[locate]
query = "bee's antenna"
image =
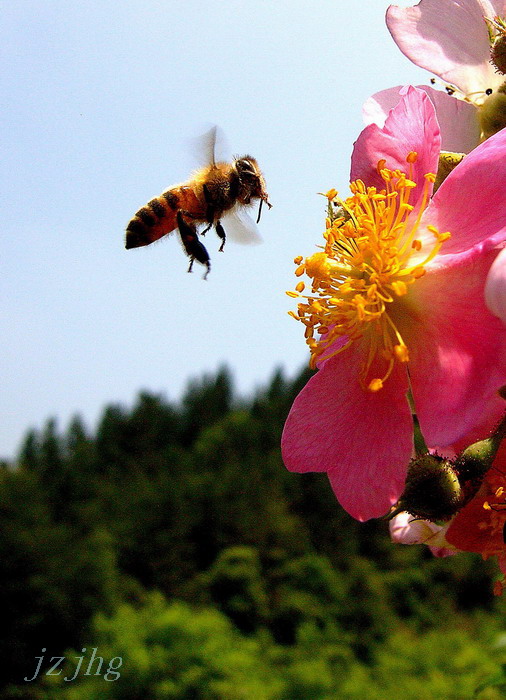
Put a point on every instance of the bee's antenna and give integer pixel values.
(259, 210)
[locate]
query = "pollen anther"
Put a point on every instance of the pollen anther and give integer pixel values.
(375, 385)
(363, 269)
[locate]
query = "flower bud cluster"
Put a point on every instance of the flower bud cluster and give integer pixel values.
(437, 488)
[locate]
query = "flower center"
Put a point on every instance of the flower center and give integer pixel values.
(365, 266)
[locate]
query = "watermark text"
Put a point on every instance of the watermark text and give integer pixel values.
(111, 673)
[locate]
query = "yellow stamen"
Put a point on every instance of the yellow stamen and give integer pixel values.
(401, 353)
(364, 267)
(375, 385)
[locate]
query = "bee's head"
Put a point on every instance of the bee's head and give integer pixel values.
(251, 180)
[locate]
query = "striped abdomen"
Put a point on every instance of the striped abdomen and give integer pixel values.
(158, 217)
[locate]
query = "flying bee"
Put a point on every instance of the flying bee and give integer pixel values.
(219, 191)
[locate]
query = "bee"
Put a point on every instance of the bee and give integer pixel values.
(219, 190)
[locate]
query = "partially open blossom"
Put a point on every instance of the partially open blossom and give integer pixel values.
(495, 288)
(455, 40)
(479, 526)
(438, 487)
(406, 529)
(397, 286)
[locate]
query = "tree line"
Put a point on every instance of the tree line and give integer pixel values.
(183, 512)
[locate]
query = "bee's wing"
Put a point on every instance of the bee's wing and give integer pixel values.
(210, 147)
(240, 227)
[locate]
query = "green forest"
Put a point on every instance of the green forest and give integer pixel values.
(170, 555)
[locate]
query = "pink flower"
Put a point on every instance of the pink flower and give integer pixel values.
(453, 40)
(458, 120)
(495, 288)
(392, 292)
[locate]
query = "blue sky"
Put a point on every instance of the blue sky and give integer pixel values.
(100, 101)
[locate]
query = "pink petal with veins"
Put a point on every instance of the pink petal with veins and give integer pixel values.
(495, 287)
(458, 120)
(363, 439)
(470, 203)
(411, 126)
(450, 39)
(457, 348)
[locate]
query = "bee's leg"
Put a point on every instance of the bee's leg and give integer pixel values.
(210, 212)
(191, 243)
(190, 267)
(211, 215)
(221, 233)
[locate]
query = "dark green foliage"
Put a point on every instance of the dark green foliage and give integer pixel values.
(305, 589)
(129, 443)
(205, 402)
(172, 650)
(236, 586)
(53, 576)
(176, 538)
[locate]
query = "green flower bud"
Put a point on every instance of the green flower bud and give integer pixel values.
(432, 490)
(437, 488)
(475, 461)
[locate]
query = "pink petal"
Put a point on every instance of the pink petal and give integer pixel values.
(471, 201)
(449, 39)
(491, 416)
(406, 529)
(457, 348)
(410, 126)
(458, 120)
(363, 439)
(495, 288)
